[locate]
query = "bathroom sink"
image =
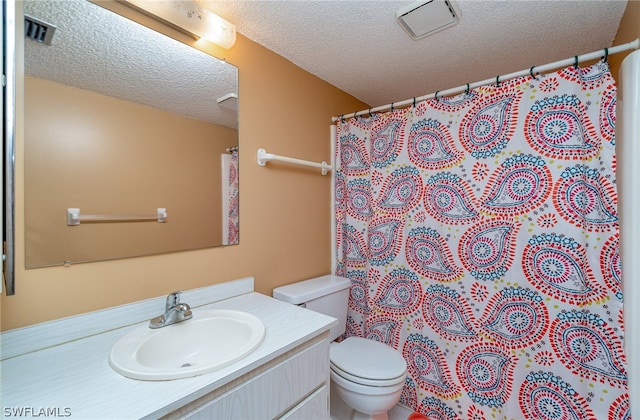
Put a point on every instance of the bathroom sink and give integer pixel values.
(211, 340)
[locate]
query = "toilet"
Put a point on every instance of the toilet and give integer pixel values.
(367, 375)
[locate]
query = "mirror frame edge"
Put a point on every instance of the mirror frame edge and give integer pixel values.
(9, 19)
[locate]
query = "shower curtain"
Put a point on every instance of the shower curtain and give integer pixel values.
(480, 234)
(230, 198)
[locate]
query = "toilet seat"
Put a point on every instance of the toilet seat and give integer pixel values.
(367, 362)
(368, 382)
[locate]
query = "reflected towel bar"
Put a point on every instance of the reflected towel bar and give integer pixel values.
(74, 218)
(264, 157)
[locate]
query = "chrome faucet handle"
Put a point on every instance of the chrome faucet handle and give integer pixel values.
(173, 299)
(185, 309)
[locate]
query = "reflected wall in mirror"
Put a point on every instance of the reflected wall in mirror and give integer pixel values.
(122, 120)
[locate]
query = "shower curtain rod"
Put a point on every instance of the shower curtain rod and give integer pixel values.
(633, 45)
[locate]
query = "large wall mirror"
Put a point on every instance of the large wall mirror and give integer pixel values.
(121, 121)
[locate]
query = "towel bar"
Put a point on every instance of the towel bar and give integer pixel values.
(264, 157)
(74, 217)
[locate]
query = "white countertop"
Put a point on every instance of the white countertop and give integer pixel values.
(75, 378)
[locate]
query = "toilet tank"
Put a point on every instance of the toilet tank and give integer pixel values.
(328, 295)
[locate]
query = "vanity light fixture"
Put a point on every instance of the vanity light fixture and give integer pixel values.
(425, 17)
(189, 16)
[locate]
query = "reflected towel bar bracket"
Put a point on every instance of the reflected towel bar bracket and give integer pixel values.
(264, 157)
(74, 217)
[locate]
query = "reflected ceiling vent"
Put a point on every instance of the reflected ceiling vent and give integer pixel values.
(426, 17)
(230, 100)
(38, 30)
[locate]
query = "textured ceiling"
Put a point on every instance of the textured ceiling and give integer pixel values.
(95, 49)
(360, 48)
(356, 45)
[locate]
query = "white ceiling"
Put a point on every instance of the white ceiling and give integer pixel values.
(358, 46)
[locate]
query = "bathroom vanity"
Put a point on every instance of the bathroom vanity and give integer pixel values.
(61, 368)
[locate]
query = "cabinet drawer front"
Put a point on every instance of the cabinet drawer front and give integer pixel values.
(273, 391)
(315, 406)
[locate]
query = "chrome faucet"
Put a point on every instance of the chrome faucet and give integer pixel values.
(174, 312)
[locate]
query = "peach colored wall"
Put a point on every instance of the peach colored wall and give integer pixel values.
(628, 30)
(285, 212)
(109, 156)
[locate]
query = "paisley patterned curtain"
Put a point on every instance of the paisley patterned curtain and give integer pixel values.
(232, 199)
(480, 234)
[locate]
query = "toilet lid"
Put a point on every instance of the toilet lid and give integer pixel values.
(367, 359)
(334, 371)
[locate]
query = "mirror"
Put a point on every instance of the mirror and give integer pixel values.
(121, 121)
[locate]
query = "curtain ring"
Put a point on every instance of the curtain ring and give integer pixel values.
(466, 92)
(606, 54)
(392, 109)
(414, 101)
(342, 118)
(575, 62)
(436, 95)
(498, 80)
(370, 114)
(531, 72)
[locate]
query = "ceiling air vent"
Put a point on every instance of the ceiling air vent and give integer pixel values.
(38, 30)
(426, 17)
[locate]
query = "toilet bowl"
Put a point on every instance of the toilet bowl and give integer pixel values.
(368, 376)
